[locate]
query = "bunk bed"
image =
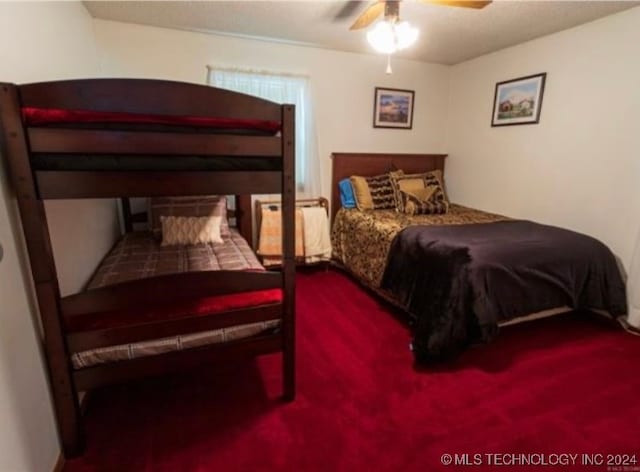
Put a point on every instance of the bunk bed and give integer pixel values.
(122, 138)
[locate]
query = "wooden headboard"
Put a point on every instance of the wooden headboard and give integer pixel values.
(346, 164)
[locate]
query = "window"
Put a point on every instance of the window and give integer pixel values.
(281, 89)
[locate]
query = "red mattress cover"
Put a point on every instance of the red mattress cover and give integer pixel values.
(33, 116)
(183, 309)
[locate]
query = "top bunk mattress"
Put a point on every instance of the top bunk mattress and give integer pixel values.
(102, 162)
(34, 116)
(127, 125)
(57, 151)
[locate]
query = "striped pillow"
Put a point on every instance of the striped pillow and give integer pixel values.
(373, 193)
(428, 201)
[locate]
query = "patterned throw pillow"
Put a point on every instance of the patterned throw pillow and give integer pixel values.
(192, 206)
(413, 183)
(190, 230)
(373, 193)
(434, 205)
(424, 193)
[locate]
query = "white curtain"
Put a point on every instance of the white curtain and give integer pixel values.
(633, 287)
(291, 89)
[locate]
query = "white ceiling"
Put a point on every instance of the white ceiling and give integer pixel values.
(448, 35)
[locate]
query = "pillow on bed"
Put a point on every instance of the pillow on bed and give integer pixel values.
(413, 184)
(422, 194)
(425, 201)
(373, 193)
(192, 206)
(190, 230)
(347, 198)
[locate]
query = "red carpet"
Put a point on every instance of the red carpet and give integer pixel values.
(565, 385)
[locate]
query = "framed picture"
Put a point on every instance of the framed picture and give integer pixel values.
(518, 101)
(393, 108)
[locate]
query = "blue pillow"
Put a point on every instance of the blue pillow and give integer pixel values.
(346, 194)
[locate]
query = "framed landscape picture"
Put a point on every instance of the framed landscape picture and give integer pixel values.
(518, 101)
(393, 108)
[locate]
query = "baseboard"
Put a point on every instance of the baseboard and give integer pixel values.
(629, 328)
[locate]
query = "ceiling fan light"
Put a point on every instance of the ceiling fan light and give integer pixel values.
(406, 34)
(381, 37)
(387, 37)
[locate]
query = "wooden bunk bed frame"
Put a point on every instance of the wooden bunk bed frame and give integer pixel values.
(33, 185)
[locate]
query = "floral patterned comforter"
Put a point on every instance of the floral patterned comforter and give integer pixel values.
(361, 239)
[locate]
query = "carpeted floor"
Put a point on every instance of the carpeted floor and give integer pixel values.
(565, 385)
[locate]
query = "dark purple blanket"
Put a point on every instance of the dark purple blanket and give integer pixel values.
(460, 281)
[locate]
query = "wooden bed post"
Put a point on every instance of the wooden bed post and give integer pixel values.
(244, 217)
(126, 215)
(36, 233)
(288, 245)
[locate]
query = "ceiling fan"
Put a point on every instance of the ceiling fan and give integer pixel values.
(392, 34)
(391, 9)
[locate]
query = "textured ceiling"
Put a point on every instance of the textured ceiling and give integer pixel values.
(447, 35)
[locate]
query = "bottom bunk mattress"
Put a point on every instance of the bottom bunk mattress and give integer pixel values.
(461, 274)
(139, 255)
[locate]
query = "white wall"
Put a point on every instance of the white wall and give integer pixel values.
(40, 41)
(342, 83)
(579, 167)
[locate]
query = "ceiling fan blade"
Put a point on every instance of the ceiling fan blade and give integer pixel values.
(348, 9)
(460, 3)
(369, 15)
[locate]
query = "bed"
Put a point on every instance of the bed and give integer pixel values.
(154, 305)
(462, 273)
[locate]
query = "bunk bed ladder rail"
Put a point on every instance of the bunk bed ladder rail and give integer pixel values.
(35, 228)
(288, 247)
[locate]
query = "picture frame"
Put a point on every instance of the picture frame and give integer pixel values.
(393, 108)
(518, 101)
